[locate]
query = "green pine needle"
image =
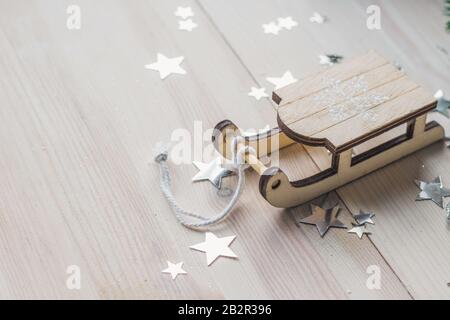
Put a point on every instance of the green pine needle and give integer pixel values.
(447, 13)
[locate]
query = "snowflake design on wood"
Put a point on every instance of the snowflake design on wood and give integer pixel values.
(352, 97)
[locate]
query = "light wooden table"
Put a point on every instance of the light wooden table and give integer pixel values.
(80, 115)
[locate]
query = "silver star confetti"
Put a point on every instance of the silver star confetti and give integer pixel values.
(324, 219)
(444, 51)
(258, 93)
(166, 66)
(174, 269)
(187, 25)
(442, 104)
(359, 229)
(364, 217)
(287, 23)
(215, 247)
(433, 190)
(271, 28)
(213, 171)
(317, 18)
(284, 80)
(329, 59)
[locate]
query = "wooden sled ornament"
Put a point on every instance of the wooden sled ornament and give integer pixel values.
(339, 108)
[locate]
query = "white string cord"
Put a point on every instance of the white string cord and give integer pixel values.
(238, 158)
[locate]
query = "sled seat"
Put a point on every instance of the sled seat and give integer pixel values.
(349, 103)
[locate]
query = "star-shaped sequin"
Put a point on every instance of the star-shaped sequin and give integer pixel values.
(364, 217)
(317, 18)
(166, 66)
(359, 229)
(271, 28)
(442, 104)
(258, 93)
(187, 25)
(324, 219)
(215, 247)
(284, 80)
(329, 59)
(213, 171)
(174, 269)
(433, 190)
(287, 23)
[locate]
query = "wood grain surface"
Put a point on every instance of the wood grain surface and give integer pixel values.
(80, 115)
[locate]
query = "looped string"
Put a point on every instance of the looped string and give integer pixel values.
(239, 165)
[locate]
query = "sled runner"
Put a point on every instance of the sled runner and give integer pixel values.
(339, 109)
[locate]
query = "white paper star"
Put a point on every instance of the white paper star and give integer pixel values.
(287, 23)
(317, 18)
(187, 25)
(258, 93)
(285, 80)
(184, 12)
(174, 269)
(215, 247)
(271, 28)
(213, 171)
(166, 66)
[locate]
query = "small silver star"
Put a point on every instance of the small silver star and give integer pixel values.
(442, 104)
(317, 18)
(187, 25)
(324, 219)
(212, 171)
(363, 217)
(329, 59)
(258, 93)
(184, 12)
(359, 229)
(271, 28)
(447, 209)
(287, 23)
(174, 269)
(433, 190)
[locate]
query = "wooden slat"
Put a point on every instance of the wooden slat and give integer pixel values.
(315, 82)
(390, 112)
(317, 124)
(309, 105)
